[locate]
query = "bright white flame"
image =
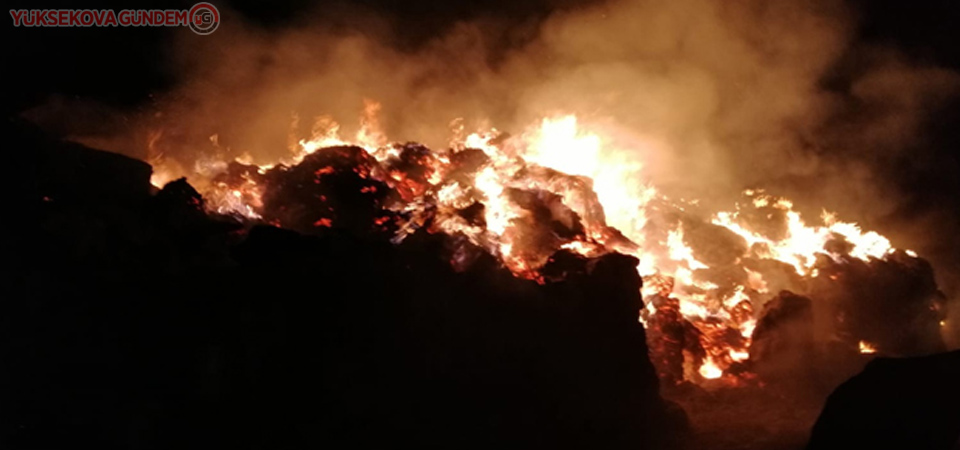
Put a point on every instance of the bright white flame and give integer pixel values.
(709, 370)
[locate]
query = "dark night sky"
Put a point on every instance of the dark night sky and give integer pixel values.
(122, 67)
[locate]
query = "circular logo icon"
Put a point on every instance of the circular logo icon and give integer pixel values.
(204, 18)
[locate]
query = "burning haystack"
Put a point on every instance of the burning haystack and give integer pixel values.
(534, 200)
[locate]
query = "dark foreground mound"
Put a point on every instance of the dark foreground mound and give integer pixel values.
(909, 403)
(133, 320)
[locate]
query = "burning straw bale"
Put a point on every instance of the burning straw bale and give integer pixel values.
(674, 342)
(548, 226)
(783, 345)
(889, 306)
(335, 187)
(892, 303)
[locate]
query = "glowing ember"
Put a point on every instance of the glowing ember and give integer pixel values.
(867, 348)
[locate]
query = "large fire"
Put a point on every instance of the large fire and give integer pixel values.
(706, 274)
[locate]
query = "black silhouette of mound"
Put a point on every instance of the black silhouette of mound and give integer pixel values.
(895, 404)
(132, 319)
